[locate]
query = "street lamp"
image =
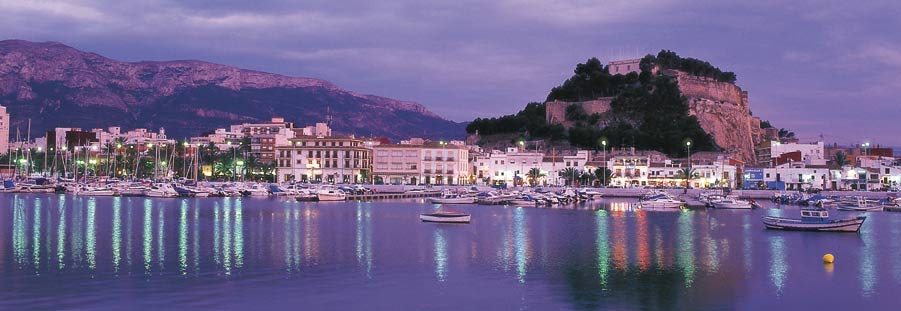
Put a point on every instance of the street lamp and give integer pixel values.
(604, 151)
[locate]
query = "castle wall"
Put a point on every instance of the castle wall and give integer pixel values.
(556, 110)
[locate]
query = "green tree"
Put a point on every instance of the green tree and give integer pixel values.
(534, 174)
(688, 174)
(840, 159)
(569, 175)
(603, 175)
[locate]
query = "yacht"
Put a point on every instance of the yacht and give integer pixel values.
(730, 203)
(453, 198)
(161, 191)
(95, 191)
(661, 201)
(255, 190)
(330, 194)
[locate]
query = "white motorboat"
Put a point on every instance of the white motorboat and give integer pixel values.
(453, 198)
(729, 203)
(445, 217)
(661, 201)
(161, 191)
(95, 191)
(134, 190)
(255, 190)
(330, 194)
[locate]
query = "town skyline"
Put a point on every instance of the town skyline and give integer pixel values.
(814, 56)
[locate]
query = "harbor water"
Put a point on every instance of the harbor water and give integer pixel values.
(66, 252)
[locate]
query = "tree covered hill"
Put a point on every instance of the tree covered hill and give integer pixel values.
(648, 111)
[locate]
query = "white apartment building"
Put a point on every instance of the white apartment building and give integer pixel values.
(811, 154)
(419, 162)
(220, 138)
(512, 166)
(325, 159)
(799, 176)
(4, 130)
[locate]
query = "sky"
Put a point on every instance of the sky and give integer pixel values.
(827, 70)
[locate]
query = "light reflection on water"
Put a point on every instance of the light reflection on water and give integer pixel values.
(208, 252)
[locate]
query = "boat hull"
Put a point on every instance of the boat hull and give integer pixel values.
(457, 219)
(844, 225)
(732, 205)
(651, 204)
(331, 197)
(453, 200)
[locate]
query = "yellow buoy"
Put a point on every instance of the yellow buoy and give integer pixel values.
(828, 258)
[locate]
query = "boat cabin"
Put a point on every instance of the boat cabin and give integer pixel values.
(813, 215)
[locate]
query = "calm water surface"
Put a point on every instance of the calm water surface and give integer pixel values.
(68, 252)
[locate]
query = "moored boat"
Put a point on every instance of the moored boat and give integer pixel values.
(729, 203)
(661, 201)
(330, 194)
(445, 217)
(814, 220)
(452, 198)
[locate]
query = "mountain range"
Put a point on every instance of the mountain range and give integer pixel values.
(55, 85)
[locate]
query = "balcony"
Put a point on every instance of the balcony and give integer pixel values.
(450, 172)
(439, 159)
(426, 171)
(450, 159)
(427, 159)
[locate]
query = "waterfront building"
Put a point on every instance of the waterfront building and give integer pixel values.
(811, 154)
(799, 176)
(417, 161)
(4, 130)
(265, 136)
(326, 159)
(221, 138)
(511, 167)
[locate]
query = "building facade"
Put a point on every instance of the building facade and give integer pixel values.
(418, 162)
(323, 159)
(4, 130)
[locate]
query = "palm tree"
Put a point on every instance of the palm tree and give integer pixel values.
(534, 174)
(569, 174)
(687, 174)
(840, 159)
(586, 178)
(603, 175)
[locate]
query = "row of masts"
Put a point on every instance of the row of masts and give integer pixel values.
(70, 159)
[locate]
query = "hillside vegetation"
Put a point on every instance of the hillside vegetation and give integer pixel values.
(648, 111)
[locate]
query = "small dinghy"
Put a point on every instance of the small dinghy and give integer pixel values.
(814, 220)
(446, 217)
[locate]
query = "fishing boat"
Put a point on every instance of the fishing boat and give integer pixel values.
(445, 217)
(452, 198)
(306, 195)
(255, 190)
(858, 204)
(730, 203)
(814, 220)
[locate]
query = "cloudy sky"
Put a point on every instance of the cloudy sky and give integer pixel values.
(827, 68)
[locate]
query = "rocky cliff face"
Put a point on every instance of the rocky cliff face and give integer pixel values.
(723, 111)
(56, 85)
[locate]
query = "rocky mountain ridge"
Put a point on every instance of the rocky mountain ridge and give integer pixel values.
(59, 86)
